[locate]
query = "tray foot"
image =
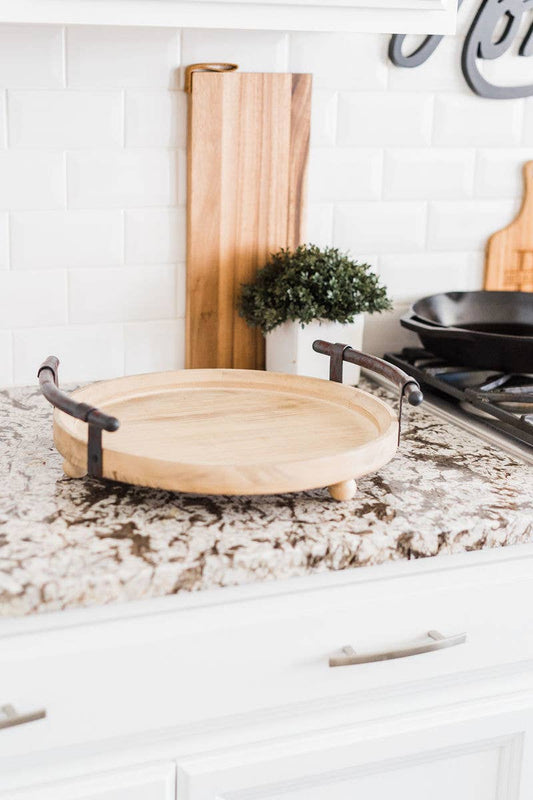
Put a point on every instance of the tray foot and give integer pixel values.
(71, 471)
(344, 490)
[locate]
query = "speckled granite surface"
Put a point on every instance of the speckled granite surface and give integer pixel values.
(66, 543)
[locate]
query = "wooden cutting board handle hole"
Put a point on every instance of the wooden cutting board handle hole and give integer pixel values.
(206, 67)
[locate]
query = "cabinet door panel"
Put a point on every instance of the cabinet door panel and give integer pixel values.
(463, 777)
(489, 758)
(153, 782)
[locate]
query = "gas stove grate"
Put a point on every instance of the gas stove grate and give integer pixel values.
(502, 401)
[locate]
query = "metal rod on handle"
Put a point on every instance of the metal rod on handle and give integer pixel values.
(348, 657)
(97, 420)
(339, 353)
(9, 716)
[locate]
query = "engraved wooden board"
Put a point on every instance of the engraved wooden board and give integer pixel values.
(227, 431)
(248, 145)
(509, 254)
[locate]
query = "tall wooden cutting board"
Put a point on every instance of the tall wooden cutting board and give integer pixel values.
(248, 145)
(509, 255)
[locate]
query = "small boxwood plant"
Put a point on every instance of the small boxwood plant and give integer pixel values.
(311, 283)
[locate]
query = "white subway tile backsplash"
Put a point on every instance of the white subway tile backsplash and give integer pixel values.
(6, 358)
(131, 294)
(341, 173)
(112, 179)
(253, 51)
(383, 331)
(154, 346)
(32, 298)
(31, 180)
(384, 119)
(181, 287)
(116, 58)
(71, 239)
(440, 73)
(499, 172)
(410, 275)
(181, 178)
(467, 225)
(405, 164)
(85, 352)
(3, 119)
(319, 227)
(351, 61)
(323, 117)
(379, 227)
(31, 56)
(428, 174)
(508, 69)
(155, 235)
(155, 118)
(4, 240)
(471, 121)
(65, 119)
(528, 126)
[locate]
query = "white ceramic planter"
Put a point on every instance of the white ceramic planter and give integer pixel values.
(289, 347)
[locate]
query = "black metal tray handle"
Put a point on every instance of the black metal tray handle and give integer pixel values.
(338, 353)
(96, 420)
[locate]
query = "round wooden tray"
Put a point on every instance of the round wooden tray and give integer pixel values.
(240, 432)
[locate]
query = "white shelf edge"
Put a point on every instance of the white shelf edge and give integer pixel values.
(380, 16)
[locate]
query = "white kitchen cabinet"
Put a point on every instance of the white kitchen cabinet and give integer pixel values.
(388, 16)
(488, 758)
(155, 782)
(233, 689)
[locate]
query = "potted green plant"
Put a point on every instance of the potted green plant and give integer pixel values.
(306, 294)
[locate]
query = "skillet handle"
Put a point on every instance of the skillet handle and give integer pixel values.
(414, 324)
(97, 420)
(339, 353)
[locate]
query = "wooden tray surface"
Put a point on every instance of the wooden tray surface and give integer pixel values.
(232, 432)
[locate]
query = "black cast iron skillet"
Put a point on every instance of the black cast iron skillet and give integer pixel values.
(488, 330)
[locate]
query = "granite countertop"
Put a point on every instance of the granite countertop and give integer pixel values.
(70, 543)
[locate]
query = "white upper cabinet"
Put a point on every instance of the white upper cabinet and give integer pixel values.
(386, 16)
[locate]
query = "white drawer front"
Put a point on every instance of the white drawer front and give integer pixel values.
(154, 782)
(176, 669)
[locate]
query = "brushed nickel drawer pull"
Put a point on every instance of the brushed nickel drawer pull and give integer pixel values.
(9, 717)
(348, 655)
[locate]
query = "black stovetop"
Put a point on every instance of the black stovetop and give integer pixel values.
(503, 402)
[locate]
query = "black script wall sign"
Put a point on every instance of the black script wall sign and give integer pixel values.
(482, 41)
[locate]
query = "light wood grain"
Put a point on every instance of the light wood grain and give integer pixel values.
(233, 432)
(509, 255)
(248, 145)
